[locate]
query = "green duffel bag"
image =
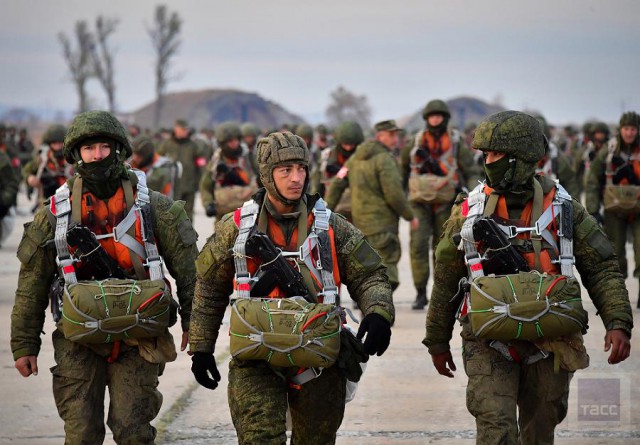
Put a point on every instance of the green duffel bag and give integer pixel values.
(232, 197)
(525, 306)
(114, 309)
(431, 189)
(622, 199)
(285, 332)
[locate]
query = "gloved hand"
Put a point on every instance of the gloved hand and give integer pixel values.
(333, 169)
(598, 217)
(222, 168)
(378, 331)
(203, 364)
(210, 209)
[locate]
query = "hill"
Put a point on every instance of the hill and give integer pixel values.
(208, 108)
(464, 110)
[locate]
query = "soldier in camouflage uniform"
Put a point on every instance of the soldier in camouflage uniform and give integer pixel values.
(501, 383)
(97, 143)
(182, 149)
(259, 393)
(9, 183)
(348, 136)
(586, 153)
(162, 173)
(250, 134)
(228, 180)
(441, 152)
(377, 199)
(623, 155)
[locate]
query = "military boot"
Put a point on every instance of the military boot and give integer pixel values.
(421, 300)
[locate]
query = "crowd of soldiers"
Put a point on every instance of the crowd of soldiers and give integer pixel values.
(327, 203)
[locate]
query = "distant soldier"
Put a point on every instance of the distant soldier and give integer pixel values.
(24, 147)
(9, 183)
(614, 185)
(348, 136)
(599, 134)
(228, 180)
(49, 170)
(250, 134)
(322, 140)
(436, 165)
(377, 199)
(134, 131)
(181, 148)
(162, 173)
(7, 146)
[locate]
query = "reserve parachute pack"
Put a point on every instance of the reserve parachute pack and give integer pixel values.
(111, 309)
(231, 197)
(524, 305)
(430, 188)
(620, 199)
(294, 331)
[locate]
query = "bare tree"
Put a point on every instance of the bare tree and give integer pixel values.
(164, 34)
(102, 56)
(345, 105)
(79, 60)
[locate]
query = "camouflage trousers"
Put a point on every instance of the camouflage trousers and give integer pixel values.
(258, 400)
(616, 227)
(431, 219)
(499, 388)
(80, 378)
(387, 245)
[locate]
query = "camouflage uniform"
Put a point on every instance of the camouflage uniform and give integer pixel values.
(377, 200)
(499, 388)
(190, 156)
(162, 173)
(625, 172)
(431, 217)
(8, 191)
(82, 372)
(259, 393)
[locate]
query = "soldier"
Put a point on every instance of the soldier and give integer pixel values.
(229, 180)
(181, 148)
(435, 165)
(24, 147)
(555, 164)
(598, 137)
(285, 213)
(82, 218)
(162, 173)
(322, 137)
(7, 146)
(377, 198)
(48, 170)
(514, 369)
(614, 184)
(9, 183)
(348, 136)
(250, 134)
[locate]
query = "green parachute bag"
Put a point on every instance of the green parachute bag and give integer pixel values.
(114, 309)
(622, 199)
(525, 306)
(285, 332)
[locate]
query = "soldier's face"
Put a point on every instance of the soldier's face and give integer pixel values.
(94, 152)
(435, 119)
(493, 156)
(180, 132)
(289, 180)
(628, 133)
(233, 143)
(56, 146)
(388, 138)
(348, 147)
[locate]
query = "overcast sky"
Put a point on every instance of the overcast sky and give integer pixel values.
(572, 60)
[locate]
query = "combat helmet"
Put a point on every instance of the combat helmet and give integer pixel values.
(250, 129)
(55, 133)
(95, 124)
(227, 131)
(305, 131)
(436, 106)
(631, 119)
(517, 134)
(279, 149)
(143, 146)
(349, 132)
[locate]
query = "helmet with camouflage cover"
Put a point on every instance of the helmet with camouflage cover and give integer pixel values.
(280, 149)
(600, 127)
(305, 131)
(143, 147)
(544, 124)
(55, 133)
(250, 129)
(227, 131)
(322, 130)
(349, 132)
(517, 134)
(95, 125)
(436, 106)
(631, 119)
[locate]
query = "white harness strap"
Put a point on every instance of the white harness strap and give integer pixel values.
(476, 201)
(248, 217)
(61, 208)
(320, 231)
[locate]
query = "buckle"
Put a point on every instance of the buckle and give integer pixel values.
(154, 259)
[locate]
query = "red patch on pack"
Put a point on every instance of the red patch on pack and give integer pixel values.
(465, 207)
(52, 205)
(201, 162)
(236, 217)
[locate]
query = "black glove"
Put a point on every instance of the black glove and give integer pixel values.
(333, 169)
(598, 217)
(222, 168)
(352, 353)
(378, 331)
(3, 211)
(210, 209)
(203, 364)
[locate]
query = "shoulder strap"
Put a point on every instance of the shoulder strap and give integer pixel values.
(325, 256)
(612, 147)
(60, 207)
(248, 216)
(476, 205)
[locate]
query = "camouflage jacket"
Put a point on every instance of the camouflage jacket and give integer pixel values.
(187, 152)
(176, 241)
(359, 265)
(595, 261)
(377, 198)
(9, 182)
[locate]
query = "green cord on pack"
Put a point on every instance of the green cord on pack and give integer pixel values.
(519, 330)
(539, 288)
(131, 296)
(104, 299)
(539, 330)
(513, 289)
